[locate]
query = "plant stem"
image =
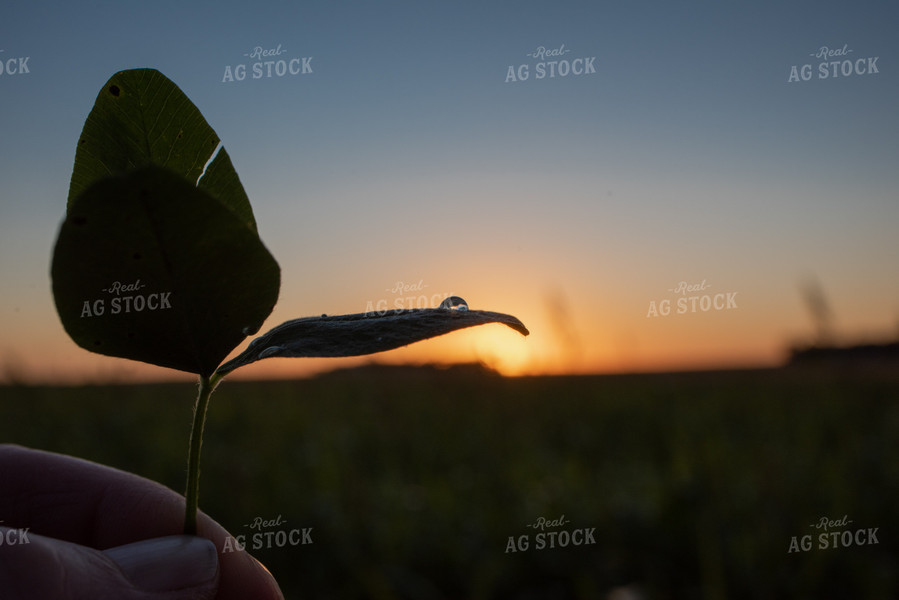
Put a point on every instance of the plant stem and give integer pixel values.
(192, 494)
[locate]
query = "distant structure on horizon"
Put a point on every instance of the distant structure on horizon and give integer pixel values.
(824, 350)
(857, 354)
(822, 316)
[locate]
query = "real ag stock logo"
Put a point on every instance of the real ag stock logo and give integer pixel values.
(123, 300)
(16, 65)
(549, 536)
(834, 536)
(835, 62)
(407, 295)
(694, 302)
(268, 534)
(553, 62)
(267, 65)
(13, 537)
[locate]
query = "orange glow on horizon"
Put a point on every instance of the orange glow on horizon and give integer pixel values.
(502, 350)
(615, 340)
(507, 353)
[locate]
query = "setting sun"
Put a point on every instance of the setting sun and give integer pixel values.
(503, 350)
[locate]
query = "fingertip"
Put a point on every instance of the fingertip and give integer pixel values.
(168, 563)
(242, 576)
(175, 567)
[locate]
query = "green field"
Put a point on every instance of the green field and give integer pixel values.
(414, 480)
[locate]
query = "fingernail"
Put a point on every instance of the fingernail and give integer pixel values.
(167, 563)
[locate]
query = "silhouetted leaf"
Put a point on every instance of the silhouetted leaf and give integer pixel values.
(151, 268)
(141, 118)
(362, 333)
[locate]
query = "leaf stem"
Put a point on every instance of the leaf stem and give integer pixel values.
(192, 493)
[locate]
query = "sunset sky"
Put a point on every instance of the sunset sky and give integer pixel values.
(409, 155)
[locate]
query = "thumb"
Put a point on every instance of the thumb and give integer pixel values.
(175, 568)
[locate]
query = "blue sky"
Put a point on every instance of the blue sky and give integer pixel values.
(407, 156)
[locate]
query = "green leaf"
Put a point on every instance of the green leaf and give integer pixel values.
(151, 268)
(141, 118)
(362, 333)
(221, 181)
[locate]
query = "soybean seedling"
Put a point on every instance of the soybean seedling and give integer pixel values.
(159, 259)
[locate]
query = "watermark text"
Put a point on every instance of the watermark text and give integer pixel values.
(267, 65)
(17, 65)
(691, 300)
(551, 65)
(122, 299)
(13, 537)
(268, 533)
(548, 536)
(407, 295)
(841, 65)
(833, 534)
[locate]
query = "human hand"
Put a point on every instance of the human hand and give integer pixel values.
(74, 529)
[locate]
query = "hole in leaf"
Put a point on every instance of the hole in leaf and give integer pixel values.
(114, 90)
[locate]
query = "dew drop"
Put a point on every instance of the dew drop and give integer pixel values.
(454, 303)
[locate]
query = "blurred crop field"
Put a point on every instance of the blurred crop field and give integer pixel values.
(422, 483)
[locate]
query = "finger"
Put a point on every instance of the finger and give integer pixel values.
(172, 568)
(93, 505)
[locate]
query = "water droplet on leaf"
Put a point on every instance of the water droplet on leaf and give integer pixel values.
(454, 303)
